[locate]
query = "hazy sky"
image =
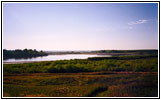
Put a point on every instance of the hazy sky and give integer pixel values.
(80, 26)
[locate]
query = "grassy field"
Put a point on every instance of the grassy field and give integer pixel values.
(128, 76)
(80, 85)
(125, 63)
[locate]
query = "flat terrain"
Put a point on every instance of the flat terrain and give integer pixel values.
(125, 76)
(102, 84)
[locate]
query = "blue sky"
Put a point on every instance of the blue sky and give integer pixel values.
(80, 26)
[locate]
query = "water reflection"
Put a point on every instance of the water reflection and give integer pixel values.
(55, 57)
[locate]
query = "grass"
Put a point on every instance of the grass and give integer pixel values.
(129, 76)
(96, 90)
(129, 63)
(80, 85)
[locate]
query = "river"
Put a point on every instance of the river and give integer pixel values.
(53, 58)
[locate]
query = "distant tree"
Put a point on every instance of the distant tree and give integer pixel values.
(26, 53)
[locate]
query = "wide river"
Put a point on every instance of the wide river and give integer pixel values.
(54, 57)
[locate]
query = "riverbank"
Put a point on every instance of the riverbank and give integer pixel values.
(23, 62)
(54, 57)
(146, 63)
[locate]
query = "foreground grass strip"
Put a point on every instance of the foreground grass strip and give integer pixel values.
(78, 85)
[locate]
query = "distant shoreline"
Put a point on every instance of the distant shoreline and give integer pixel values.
(21, 62)
(103, 54)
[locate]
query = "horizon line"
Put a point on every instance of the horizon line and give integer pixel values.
(82, 50)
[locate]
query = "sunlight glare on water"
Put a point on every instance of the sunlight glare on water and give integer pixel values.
(55, 57)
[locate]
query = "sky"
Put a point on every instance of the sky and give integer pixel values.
(80, 26)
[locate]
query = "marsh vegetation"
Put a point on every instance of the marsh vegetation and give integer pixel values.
(121, 76)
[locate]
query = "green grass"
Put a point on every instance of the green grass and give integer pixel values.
(127, 63)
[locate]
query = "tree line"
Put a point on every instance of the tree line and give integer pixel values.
(26, 53)
(129, 51)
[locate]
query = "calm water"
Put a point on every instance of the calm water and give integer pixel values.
(55, 57)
